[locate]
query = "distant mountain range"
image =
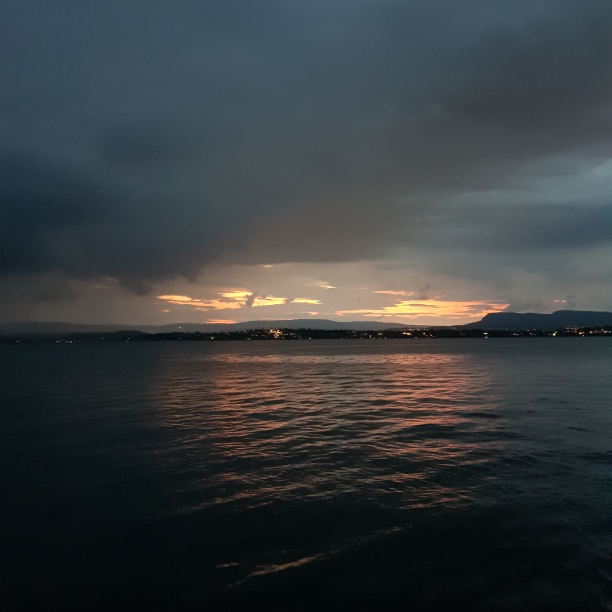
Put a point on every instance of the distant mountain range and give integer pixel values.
(45, 329)
(533, 320)
(495, 321)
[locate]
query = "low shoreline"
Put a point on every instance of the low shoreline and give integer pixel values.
(304, 334)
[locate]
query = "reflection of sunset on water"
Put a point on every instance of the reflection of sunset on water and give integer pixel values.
(292, 424)
(234, 468)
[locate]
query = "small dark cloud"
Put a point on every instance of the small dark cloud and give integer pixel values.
(423, 293)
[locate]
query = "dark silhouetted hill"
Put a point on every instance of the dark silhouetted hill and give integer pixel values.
(45, 329)
(532, 320)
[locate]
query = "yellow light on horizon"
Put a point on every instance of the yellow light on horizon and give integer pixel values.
(269, 301)
(394, 292)
(203, 305)
(236, 295)
(431, 308)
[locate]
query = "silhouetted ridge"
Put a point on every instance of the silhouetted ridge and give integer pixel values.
(533, 320)
(41, 329)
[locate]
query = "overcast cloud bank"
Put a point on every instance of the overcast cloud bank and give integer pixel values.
(144, 141)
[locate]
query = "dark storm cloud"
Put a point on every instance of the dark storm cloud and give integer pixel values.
(520, 228)
(142, 140)
(40, 201)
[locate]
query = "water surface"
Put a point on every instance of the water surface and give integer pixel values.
(426, 474)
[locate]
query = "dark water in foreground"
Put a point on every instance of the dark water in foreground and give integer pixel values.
(440, 474)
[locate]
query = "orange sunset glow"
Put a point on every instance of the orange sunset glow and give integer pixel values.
(203, 305)
(430, 308)
(244, 299)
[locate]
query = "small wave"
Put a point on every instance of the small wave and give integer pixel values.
(265, 570)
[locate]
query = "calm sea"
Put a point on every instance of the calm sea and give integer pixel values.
(416, 474)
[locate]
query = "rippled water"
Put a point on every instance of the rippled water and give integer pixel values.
(463, 474)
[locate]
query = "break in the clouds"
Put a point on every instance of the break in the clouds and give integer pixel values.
(148, 141)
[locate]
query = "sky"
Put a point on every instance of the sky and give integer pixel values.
(424, 161)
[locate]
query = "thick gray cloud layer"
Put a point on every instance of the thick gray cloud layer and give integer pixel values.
(142, 140)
